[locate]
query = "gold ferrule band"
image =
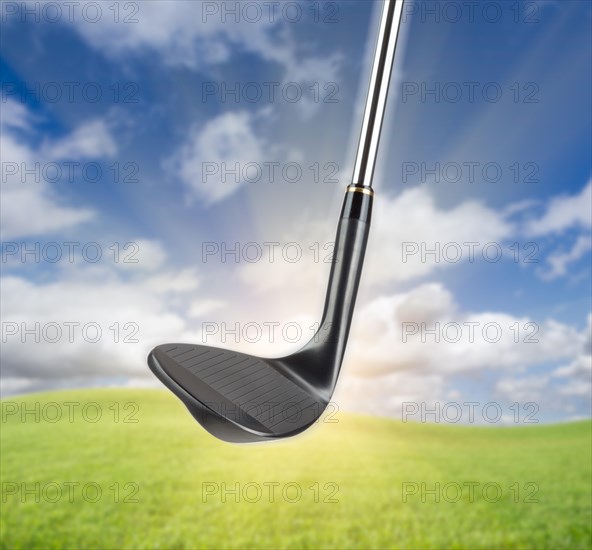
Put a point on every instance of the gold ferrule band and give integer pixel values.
(365, 190)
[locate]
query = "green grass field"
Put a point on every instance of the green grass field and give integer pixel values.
(356, 476)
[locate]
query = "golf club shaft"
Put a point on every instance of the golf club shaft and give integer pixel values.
(377, 93)
(356, 214)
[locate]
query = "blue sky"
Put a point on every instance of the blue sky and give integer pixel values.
(535, 131)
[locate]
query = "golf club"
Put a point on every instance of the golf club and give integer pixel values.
(241, 398)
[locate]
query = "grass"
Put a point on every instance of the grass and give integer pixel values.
(358, 469)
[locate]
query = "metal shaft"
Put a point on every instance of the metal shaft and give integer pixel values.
(378, 92)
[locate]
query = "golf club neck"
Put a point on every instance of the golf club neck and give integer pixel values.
(377, 94)
(356, 214)
(327, 347)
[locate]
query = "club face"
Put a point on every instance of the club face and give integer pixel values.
(237, 397)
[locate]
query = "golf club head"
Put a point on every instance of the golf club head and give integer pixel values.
(238, 398)
(241, 398)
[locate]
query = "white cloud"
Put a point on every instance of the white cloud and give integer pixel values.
(564, 216)
(419, 225)
(385, 395)
(577, 374)
(200, 308)
(90, 140)
(199, 35)
(15, 116)
(564, 212)
(566, 389)
(382, 373)
(560, 261)
(184, 280)
(425, 330)
(140, 254)
(44, 211)
(12, 386)
(133, 313)
(26, 192)
(529, 389)
(579, 367)
(322, 73)
(182, 33)
(208, 160)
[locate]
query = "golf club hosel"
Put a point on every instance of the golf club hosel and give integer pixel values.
(346, 270)
(348, 259)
